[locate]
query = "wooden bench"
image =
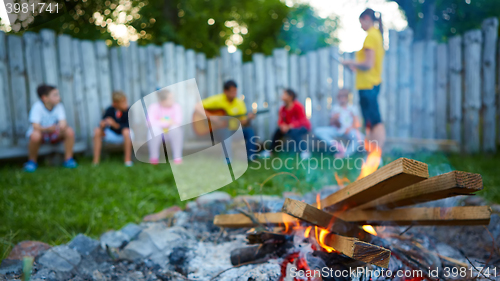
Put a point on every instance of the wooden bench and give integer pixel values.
(45, 149)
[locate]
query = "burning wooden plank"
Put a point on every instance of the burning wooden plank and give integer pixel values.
(435, 188)
(392, 177)
(470, 215)
(241, 220)
(359, 250)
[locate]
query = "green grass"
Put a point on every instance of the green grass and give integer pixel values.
(54, 204)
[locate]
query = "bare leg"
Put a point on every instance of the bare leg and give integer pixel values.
(175, 137)
(127, 144)
(98, 134)
(69, 142)
(154, 147)
(34, 145)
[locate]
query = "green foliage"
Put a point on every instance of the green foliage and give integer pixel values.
(304, 30)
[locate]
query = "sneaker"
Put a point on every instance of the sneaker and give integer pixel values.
(265, 154)
(129, 164)
(30, 166)
(70, 163)
(305, 155)
(154, 161)
(178, 161)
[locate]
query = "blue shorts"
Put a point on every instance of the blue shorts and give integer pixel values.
(111, 137)
(369, 106)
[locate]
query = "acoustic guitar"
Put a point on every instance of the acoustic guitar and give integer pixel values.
(202, 127)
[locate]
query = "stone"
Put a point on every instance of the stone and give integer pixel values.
(60, 258)
(191, 206)
(11, 266)
(213, 197)
(83, 244)
(495, 208)
(28, 249)
(163, 214)
(113, 239)
(132, 230)
(138, 249)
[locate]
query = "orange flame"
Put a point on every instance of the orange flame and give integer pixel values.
(371, 164)
(307, 232)
(369, 229)
(341, 181)
(287, 224)
(322, 236)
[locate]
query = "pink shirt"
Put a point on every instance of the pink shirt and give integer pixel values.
(165, 117)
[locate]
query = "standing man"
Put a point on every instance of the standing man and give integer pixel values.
(233, 106)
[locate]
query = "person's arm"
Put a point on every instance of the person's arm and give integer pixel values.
(50, 129)
(301, 117)
(369, 61)
(35, 117)
(61, 117)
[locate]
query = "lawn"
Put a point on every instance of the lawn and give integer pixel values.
(55, 204)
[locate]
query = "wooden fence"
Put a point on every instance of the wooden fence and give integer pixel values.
(429, 90)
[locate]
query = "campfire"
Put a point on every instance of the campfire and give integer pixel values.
(340, 231)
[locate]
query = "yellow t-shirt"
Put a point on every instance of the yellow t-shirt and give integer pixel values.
(220, 101)
(366, 80)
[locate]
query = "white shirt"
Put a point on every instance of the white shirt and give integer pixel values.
(39, 114)
(346, 116)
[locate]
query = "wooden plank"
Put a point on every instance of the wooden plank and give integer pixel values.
(201, 74)
(103, 73)
(429, 101)
(304, 79)
(417, 105)
(248, 85)
(281, 67)
(49, 57)
(472, 100)
(19, 92)
(169, 64)
(158, 61)
(391, 177)
(404, 97)
(312, 71)
(392, 83)
(150, 70)
(259, 93)
(237, 70)
(446, 185)
(441, 91)
(33, 59)
(135, 74)
(359, 250)
(241, 220)
(7, 125)
(324, 87)
(143, 71)
(116, 70)
(65, 52)
(271, 97)
(180, 59)
(126, 72)
(470, 215)
(212, 73)
(293, 72)
(190, 64)
(455, 60)
(334, 75)
(225, 67)
(490, 33)
(81, 121)
(92, 101)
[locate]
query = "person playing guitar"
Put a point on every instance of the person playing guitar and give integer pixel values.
(231, 105)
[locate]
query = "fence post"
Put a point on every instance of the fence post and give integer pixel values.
(201, 74)
(92, 102)
(455, 58)
(78, 96)
(6, 126)
(259, 96)
(18, 87)
(312, 59)
(392, 83)
(429, 114)
(490, 34)
(248, 84)
(116, 73)
(237, 70)
(271, 96)
(135, 75)
(334, 75)
(49, 57)
(169, 65)
(417, 107)
(294, 73)
(66, 77)
(212, 74)
(472, 100)
(151, 71)
(103, 75)
(441, 91)
(33, 57)
(404, 102)
(303, 79)
(225, 64)
(324, 89)
(125, 72)
(160, 75)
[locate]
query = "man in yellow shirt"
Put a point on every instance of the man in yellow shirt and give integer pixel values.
(368, 67)
(233, 106)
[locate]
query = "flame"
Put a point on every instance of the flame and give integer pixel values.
(341, 181)
(287, 224)
(322, 236)
(307, 232)
(369, 229)
(371, 164)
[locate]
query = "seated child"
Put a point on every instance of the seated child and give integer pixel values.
(114, 128)
(292, 122)
(163, 117)
(48, 125)
(344, 124)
